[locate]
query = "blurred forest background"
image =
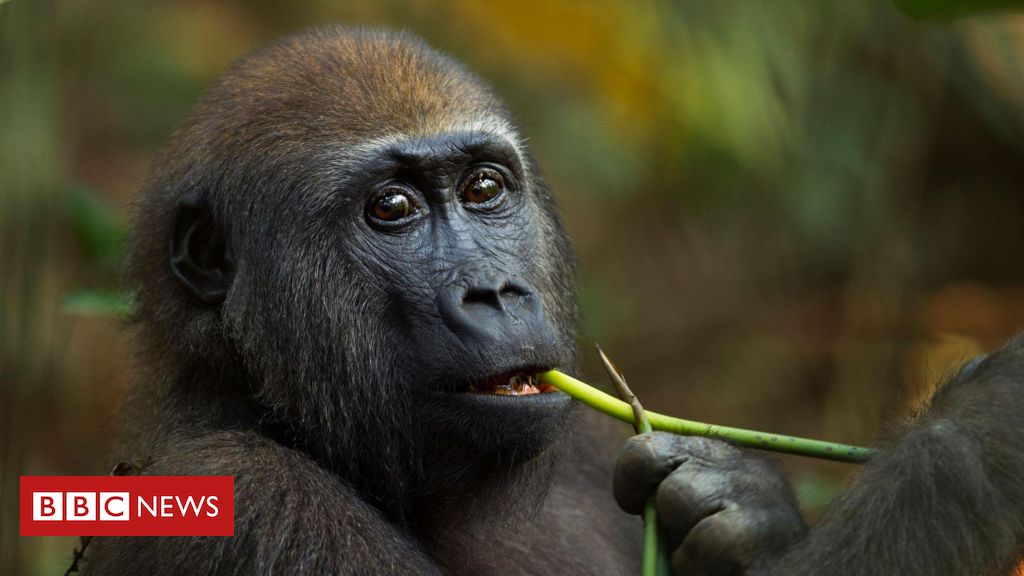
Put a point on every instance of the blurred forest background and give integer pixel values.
(795, 216)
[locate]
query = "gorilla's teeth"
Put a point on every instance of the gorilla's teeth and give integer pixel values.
(516, 385)
(520, 380)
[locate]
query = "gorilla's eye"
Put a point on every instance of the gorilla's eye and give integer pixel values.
(482, 187)
(391, 205)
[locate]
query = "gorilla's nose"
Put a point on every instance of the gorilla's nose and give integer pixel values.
(490, 305)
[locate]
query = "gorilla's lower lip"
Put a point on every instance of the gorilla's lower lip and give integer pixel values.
(517, 383)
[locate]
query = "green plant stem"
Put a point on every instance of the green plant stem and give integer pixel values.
(620, 410)
(649, 567)
(654, 556)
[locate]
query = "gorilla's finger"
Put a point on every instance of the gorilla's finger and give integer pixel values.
(718, 545)
(723, 519)
(737, 538)
(690, 494)
(647, 459)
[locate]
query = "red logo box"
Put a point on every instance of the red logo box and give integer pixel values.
(127, 506)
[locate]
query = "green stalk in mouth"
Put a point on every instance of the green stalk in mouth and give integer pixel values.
(618, 409)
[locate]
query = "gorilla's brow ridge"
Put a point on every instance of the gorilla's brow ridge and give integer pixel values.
(497, 128)
(348, 162)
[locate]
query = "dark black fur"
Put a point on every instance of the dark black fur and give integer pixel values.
(321, 358)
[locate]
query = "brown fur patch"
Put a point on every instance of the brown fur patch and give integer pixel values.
(361, 83)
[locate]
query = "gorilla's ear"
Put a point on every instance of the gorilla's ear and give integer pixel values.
(199, 253)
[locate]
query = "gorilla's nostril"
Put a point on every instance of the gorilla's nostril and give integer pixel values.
(516, 287)
(512, 295)
(503, 295)
(485, 296)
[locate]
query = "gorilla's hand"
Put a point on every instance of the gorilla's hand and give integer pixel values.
(724, 511)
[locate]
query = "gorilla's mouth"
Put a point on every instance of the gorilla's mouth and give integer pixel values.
(512, 384)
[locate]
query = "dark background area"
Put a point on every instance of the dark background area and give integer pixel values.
(790, 216)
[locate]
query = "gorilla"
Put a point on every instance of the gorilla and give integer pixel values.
(348, 270)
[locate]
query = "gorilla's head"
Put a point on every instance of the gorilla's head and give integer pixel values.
(347, 240)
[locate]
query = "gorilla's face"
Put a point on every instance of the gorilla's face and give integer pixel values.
(443, 238)
(380, 257)
(447, 228)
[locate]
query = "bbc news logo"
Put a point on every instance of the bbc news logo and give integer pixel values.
(127, 505)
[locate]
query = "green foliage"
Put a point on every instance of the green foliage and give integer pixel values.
(953, 8)
(99, 230)
(815, 491)
(89, 302)
(100, 233)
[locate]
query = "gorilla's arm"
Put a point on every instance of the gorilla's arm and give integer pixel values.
(944, 497)
(291, 517)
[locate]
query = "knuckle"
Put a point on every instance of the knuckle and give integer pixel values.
(636, 448)
(648, 456)
(636, 460)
